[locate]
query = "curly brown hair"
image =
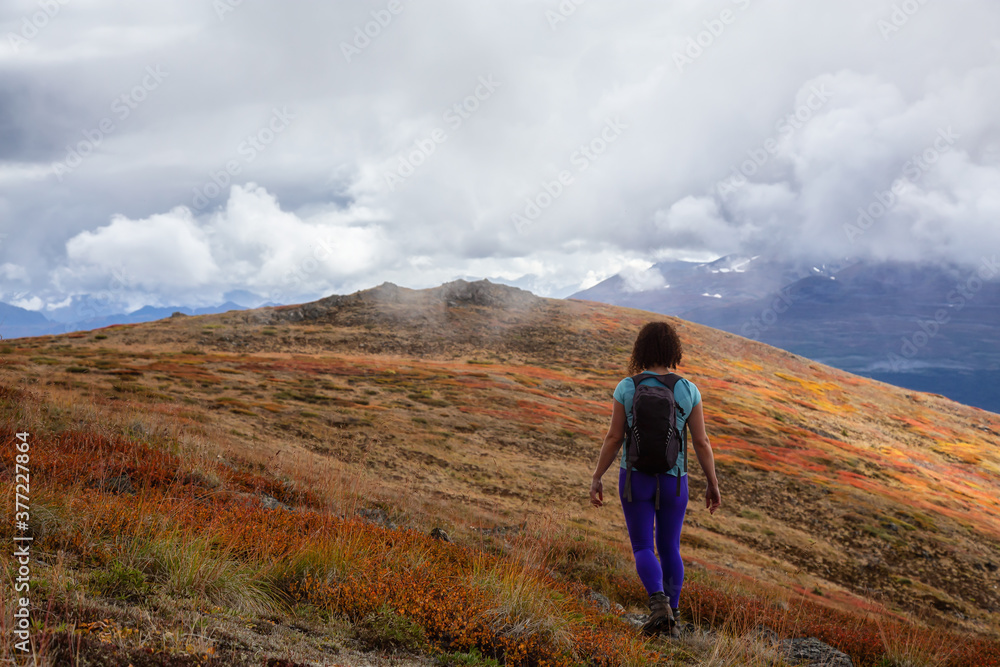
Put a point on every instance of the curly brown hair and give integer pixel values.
(656, 345)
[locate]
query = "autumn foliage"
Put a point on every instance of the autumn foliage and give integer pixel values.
(861, 506)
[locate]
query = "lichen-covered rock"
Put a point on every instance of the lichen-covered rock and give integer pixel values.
(439, 534)
(272, 503)
(377, 516)
(811, 652)
(602, 602)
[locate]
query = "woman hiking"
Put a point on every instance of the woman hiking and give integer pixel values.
(657, 502)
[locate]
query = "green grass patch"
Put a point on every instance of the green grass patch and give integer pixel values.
(198, 569)
(121, 583)
(385, 630)
(471, 659)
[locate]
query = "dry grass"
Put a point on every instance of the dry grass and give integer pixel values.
(525, 603)
(805, 453)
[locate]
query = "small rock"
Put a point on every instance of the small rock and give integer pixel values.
(272, 503)
(377, 516)
(602, 602)
(811, 652)
(439, 534)
(636, 620)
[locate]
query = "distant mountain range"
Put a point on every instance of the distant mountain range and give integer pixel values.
(18, 322)
(925, 327)
(691, 286)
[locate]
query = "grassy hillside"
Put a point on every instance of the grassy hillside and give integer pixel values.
(233, 488)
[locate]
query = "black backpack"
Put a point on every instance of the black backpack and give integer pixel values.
(653, 442)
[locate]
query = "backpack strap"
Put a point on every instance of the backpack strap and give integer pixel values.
(669, 379)
(684, 450)
(684, 444)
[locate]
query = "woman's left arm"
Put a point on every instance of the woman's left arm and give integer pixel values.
(609, 452)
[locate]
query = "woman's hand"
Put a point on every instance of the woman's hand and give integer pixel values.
(713, 499)
(597, 493)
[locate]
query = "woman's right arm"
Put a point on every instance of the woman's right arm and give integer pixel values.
(609, 451)
(703, 448)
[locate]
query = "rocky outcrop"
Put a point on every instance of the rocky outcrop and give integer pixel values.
(395, 302)
(811, 652)
(440, 534)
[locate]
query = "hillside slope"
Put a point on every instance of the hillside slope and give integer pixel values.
(474, 405)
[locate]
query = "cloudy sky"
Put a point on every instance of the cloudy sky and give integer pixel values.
(173, 152)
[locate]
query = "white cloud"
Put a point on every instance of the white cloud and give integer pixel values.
(11, 271)
(31, 303)
(250, 244)
(650, 194)
(694, 223)
(847, 156)
(641, 276)
(169, 250)
(65, 303)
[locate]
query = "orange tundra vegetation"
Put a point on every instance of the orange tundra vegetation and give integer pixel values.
(203, 486)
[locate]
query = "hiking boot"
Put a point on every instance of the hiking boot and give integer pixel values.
(661, 617)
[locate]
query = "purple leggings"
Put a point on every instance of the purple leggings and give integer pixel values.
(668, 575)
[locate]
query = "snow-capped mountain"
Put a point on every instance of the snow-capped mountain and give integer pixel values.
(921, 326)
(685, 286)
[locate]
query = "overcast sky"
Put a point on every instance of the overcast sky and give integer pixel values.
(172, 152)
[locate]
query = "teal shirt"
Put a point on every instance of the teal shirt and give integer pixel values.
(686, 395)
